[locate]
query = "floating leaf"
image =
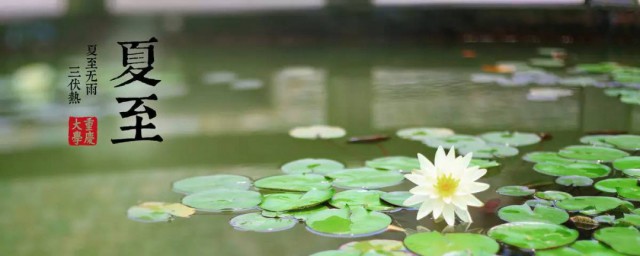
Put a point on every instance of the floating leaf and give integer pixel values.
(457, 141)
(515, 191)
(626, 163)
(483, 163)
(605, 219)
(536, 202)
(545, 156)
(394, 163)
(513, 139)
(533, 235)
(591, 205)
(365, 178)
(612, 185)
(258, 223)
(223, 200)
(312, 165)
(592, 153)
(294, 201)
(421, 133)
(626, 142)
(369, 199)
(489, 151)
(583, 247)
(317, 132)
(589, 170)
(621, 239)
(148, 212)
(348, 222)
(574, 181)
(220, 181)
(552, 195)
(302, 214)
(180, 210)
(541, 213)
(436, 244)
(294, 182)
(630, 193)
(398, 198)
(629, 220)
(382, 247)
(596, 140)
(634, 173)
(338, 253)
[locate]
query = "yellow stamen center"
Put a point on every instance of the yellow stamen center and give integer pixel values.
(446, 185)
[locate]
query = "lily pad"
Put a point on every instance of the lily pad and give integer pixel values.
(294, 182)
(596, 140)
(312, 165)
(457, 141)
(541, 213)
(589, 170)
(294, 201)
(536, 202)
(302, 214)
(483, 163)
(365, 178)
(382, 247)
(317, 132)
(369, 199)
(634, 173)
(258, 223)
(337, 253)
(533, 235)
(552, 195)
(348, 222)
(630, 193)
(436, 244)
(605, 219)
(627, 163)
(223, 200)
(421, 133)
(515, 191)
(582, 247)
(220, 181)
(591, 205)
(489, 151)
(574, 181)
(513, 139)
(621, 239)
(629, 220)
(612, 185)
(149, 212)
(626, 142)
(397, 198)
(592, 153)
(546, 156)
(394, 163)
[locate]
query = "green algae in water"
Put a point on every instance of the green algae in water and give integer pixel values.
(437, 244)
(258, 223)
(312, 165)
(533, 235)
(220, 181)
(294, 182)
(541, 213)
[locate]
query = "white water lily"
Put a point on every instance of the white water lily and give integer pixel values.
(446, 187)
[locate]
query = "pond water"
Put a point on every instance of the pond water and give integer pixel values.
(229, 110)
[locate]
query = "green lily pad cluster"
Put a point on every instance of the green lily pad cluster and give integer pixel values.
(375, 247)
(487, 145)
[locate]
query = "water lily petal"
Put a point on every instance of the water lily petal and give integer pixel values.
(441, 158)
(449, 215)
(415, 178)
(437, 208)
(415, 199)
(473, 174)
(426, 166)
(423, 190)
(472, 200)
(425, 209)
(463, 214)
